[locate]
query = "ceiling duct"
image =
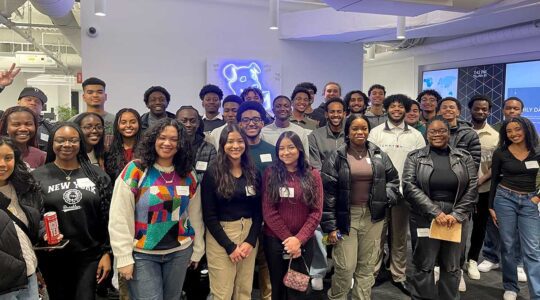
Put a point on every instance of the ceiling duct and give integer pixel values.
(54, 8)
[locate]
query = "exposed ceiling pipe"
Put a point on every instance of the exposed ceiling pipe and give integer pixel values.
(504, 35)
(29, 38)
(61, 15)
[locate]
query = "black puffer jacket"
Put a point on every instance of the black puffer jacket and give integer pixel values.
(12, 264)
(464, 137)
(336, 176)
(417, 172)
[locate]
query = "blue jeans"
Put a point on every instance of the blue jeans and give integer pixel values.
(158, 277)
(319, 262)
(519, 220)
(492, 245)
(31, 291)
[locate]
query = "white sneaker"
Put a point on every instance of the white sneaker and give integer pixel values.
(317, 284)
(462, 286)
(472, 270)
(436, 273)
(522, 277)
(486, 266)
(509, 295)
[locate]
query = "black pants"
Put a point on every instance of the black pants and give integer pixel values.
(427, 253)
(480, 218)
(70, 275)
(277, 267)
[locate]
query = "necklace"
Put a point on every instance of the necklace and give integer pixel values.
(68, 176)
(167, 181)
(361, 154)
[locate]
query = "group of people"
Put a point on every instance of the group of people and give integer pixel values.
(153, 195)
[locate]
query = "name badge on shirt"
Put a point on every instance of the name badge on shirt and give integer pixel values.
(44, 136)
(266, 157)
(84, 183)
(182, 190)
(201, 165)
(250, 191)
(368, 160)
(532, 164)
(287, 192)
(422, 232)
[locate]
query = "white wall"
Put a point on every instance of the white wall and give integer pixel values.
(166, 42)
(395, 75)
(400, 73)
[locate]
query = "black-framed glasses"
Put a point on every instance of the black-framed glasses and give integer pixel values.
(438, 131)
(255, 120)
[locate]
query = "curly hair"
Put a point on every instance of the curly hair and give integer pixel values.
(531, 136)
(20, 177)
(114, 158)
(159, 89)
(221, 171)
(15, 109)
(279, 176)
(146, 149)
(101, 182)
(348, 97)
(99, 148)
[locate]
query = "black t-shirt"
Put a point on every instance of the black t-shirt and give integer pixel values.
(443, 183)
(82, 215)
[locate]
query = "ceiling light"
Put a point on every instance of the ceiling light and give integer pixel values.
(99, 8)
(400, 29)
(274, 14)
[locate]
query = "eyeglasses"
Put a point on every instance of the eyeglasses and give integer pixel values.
(65, 141)
(255, 120)
(92, 127)
(438, 131)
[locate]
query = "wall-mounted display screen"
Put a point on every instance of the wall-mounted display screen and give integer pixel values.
(523, 81)
(443, 81)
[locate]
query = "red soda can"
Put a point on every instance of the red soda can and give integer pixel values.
(51, 228)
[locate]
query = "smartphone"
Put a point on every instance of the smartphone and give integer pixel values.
(43, 245)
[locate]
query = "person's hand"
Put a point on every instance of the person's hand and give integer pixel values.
(246, 249)
(193, 265)
(451, 220)
(292, 245)
(535, 199)
(332, 237)
(494, 217)
(441, 219)
(41, 283)
(6, 77)
(104, 268)
(126, 272)
(60, 237)
(236, 256)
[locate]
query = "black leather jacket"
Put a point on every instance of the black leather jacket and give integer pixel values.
(417, 172)
(336, 176)
(12, 263)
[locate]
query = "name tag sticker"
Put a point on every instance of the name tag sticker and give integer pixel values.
(44, 137)
(368, 160)
(532, 164)
(84, 183)
(250, 191)
(154, 190)
(201, 165)
(422, 232)
(182, 190)
(286, 192)
(266, 157)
